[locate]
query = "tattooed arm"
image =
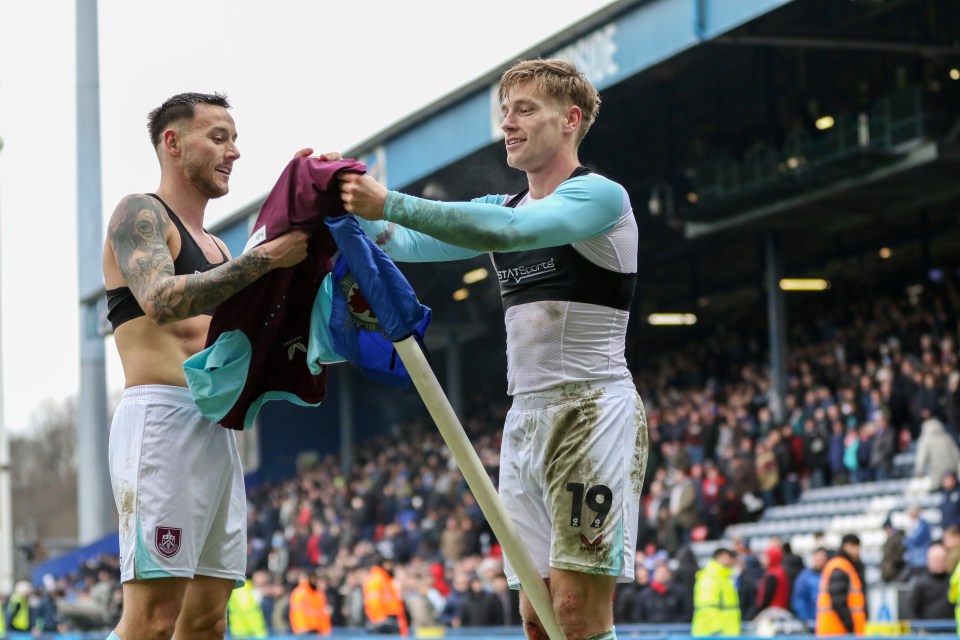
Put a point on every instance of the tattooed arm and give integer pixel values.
(138, 236)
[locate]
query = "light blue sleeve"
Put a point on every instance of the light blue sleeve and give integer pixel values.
(580, 208)
(406, 245)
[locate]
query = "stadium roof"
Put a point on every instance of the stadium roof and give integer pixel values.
(830, 123)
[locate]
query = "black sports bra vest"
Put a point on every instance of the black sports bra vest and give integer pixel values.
(123, 306)
(560, 273)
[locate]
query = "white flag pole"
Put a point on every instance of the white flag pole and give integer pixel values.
(479, 482)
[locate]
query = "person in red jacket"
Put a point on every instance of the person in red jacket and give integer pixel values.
(774, 589)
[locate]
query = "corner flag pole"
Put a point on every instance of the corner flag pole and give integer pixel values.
(479, 482)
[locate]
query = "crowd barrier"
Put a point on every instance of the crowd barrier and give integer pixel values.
(908, 630)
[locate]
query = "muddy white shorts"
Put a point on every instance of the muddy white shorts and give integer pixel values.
(571, 469)
(178, 486)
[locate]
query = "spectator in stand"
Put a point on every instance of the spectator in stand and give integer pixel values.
(928, 596)
(838, 447)
(952, 408)
(421, 601)
(951, 542)
(949, 500)
(683, 507)
(685, 573)
(731, 508)
(626, 597)
(461, 584)
(768, 472)
(452, 540)
(664, 602)
(928, 400)
(716, 608)
(648, 527)
(893, 563)
(851, 461)
(352, 591)
(803, 600)
(774, 588)
(816, 443)
(788, 450)
(479, 607)
(884, 447)
(841, 604)
(46, 614)
(508, 599)
(712, 490)
(743, 477)
(866, 437)
(333, 576)
(667, 538)
(937, 452)
(792, 564)
(916, 541)
(748, 586)
(101, 594)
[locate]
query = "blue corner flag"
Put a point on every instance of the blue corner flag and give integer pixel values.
(373, 305)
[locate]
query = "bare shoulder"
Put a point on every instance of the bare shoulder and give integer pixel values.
(138, 234)
(136, 216)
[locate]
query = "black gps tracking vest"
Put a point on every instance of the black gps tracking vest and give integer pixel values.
(559, 273)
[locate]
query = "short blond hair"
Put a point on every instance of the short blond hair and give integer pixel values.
(561, 81)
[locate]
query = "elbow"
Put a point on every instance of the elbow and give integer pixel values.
(159, 314)
(159, 317)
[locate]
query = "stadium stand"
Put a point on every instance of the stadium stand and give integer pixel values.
(729, 160)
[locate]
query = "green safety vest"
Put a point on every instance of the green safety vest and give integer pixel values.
(245, 617)
(716, 606)
(21, 620)
(952, 594)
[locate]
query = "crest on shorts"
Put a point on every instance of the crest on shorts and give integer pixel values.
(168, 541)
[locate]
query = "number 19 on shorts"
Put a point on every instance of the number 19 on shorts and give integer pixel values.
(599, 499)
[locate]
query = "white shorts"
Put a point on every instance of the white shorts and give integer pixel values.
(178, 485)
(572, 463)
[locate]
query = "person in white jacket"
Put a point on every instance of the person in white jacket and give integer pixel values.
(937, 451)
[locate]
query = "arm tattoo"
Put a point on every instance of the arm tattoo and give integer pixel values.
(137, 234)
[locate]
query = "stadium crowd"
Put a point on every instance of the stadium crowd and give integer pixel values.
(871, 373)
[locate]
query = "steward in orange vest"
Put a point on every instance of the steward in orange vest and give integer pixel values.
(382, 600)
(841, 606)
(308, 608)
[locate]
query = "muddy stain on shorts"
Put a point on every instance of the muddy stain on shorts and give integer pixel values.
(126, 501)
(641, 450)
(567, 461)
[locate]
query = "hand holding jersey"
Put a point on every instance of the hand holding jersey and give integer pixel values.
(362, 195)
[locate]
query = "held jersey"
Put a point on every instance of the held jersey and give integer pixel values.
(258, 338)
